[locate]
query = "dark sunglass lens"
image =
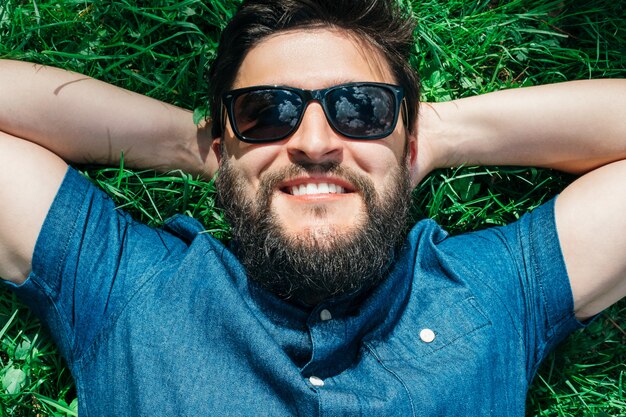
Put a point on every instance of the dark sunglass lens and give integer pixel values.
(362, 111)
(266, 115)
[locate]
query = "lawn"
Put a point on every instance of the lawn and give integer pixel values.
(462, 49)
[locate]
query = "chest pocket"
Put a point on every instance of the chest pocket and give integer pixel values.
(446, 355)
(420, 333)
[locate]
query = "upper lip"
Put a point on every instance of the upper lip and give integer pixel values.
(297, 181)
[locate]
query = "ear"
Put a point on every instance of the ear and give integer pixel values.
(412, 159)
(216, 147)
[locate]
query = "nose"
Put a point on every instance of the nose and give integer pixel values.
(315, 141)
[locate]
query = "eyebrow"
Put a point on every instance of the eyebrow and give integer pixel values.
(339, 81)
(333, 82)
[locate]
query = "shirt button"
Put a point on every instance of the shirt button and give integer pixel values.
(325, 315)
(427, 335)
(316, 382)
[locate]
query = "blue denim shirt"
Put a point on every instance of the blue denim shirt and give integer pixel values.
(163, 322)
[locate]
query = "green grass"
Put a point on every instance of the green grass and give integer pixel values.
(462, 49)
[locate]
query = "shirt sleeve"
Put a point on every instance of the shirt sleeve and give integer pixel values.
(521, 276)
(546, 293)
(89, 260)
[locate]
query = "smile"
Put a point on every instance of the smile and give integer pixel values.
(316, 186)
(321, 188)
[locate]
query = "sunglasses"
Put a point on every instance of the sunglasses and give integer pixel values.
(363, 110)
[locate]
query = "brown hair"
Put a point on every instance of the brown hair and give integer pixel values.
(380, 22)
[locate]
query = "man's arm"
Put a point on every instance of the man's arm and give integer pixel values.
(83, 120)
(591, 222)
(577, 127)
(49, 115)
(29, 180)
(573, 127)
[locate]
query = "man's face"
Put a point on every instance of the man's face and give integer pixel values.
(342, 181)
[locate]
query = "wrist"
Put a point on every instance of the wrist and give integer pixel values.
(436, 136)
(197, 156)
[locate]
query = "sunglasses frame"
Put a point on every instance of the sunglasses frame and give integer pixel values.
(307, 96)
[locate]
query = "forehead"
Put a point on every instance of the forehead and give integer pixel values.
(311, 59)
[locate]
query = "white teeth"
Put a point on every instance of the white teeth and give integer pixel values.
(322, 188)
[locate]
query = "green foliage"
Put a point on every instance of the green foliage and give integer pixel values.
(33, 378)
(162, 48)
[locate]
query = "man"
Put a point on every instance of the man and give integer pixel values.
(321, 306)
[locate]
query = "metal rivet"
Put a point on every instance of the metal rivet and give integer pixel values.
(427, 335)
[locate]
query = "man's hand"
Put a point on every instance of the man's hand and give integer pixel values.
(429, 134)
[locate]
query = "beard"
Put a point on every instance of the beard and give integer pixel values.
(317, 264)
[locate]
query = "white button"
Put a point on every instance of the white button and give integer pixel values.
(427, 335)
(325, 315)
(316, 382)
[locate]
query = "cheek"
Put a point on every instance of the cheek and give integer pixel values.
(378, 159)
(252, 160)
